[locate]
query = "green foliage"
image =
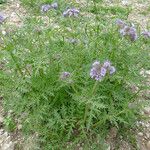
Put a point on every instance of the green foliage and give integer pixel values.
(2, 1)
(9, 124)
(79, 109)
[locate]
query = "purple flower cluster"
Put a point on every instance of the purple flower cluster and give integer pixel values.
(54, 5)
(99, 71)
(1, 19)
(65, 75)
(121, 24)
(46, 7)
(71, 12)
(146, 34)
(126, 30)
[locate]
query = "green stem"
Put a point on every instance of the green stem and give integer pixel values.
(74, 88)
(16, 63)
(96, 124)
(87, 107)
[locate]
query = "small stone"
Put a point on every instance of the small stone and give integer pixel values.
(18, 5)
(142, 123)
(147, 110)
(10, 111)
(13, 14)
(4, 32)
(5, 134)
(67, 146)
(148, 145)
(147, 125)
(1, 131)
(147, 72)
(109, 148)
(147, 135)
(124, 2)
(8, 138)
(140, 134)
(1, 119)
(19, 127)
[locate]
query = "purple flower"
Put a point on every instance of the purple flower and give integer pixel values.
(71, 12)
(45, 8)
(133, 36)
(126, 30)
(103, 71)
(1, 18)
(54, 5)
(106, 64)
(123, 31)
(95, 74)
(99, 71)
(146, 34)
(129, 31)
(112, 70)
(98, 78)
(65, 13)
(120, 23)
(96, 64)
(64, 75)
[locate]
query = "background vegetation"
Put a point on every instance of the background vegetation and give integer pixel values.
(77, 109)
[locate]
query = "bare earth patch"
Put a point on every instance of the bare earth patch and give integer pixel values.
(14, 13)
(140, 12)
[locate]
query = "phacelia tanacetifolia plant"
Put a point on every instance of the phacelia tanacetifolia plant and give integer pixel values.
(51, 77)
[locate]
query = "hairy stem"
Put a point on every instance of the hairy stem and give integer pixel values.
(87, 107)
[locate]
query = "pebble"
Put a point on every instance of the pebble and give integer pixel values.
(147, 135)
(1, 119)
(148, 145)
(147, 125)
(140, 134)
(1, 131)
(18, 5)
(4, 32)
(147, 110)
(147, 72)
(109, 148)
(10, 111)
(19, 127)
(124, 2)
(5, 134)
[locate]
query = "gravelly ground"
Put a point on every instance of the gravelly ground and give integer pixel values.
(15, 13)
